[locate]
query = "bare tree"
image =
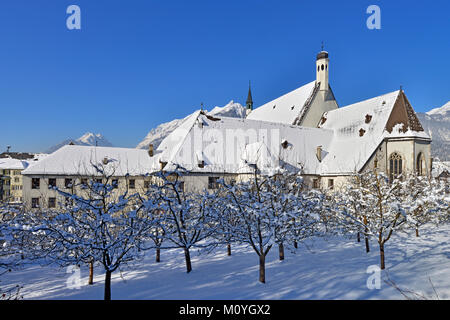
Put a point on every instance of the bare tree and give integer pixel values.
(384, 211)
(265, 211)
(97, 224)
(187, 218)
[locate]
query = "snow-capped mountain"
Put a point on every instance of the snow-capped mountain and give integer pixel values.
(156, 135)
(444, 110)
(436, 123)
(88, 139)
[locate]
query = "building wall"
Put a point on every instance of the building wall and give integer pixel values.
(200, 182)
(16, 186)
(44, 192)
(409, 150)
(12, 186)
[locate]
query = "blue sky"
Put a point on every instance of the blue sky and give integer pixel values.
(135, 64)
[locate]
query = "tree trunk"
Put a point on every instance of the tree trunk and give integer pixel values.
(417, 231)
(262, 268)
(188, 260)
(281, 251)
(358, 237)
(158, 255)
(108, 285)
(295, 245)
(382, 256)
(229, 249)
(91, 272)
(365, 234)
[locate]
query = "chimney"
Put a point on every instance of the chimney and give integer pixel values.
(319, 153)
(150, 150)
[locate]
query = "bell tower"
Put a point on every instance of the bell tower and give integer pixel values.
(322, 67)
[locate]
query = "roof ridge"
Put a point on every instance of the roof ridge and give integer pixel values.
(298, 120)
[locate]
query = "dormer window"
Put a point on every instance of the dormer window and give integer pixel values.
(361, 132)
(274, 106)
(368, 118)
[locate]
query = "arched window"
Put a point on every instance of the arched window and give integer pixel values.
(395, 165)
(420, 165)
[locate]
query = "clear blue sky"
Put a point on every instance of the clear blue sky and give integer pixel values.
(137, 63)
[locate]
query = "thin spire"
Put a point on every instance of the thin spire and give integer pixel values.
(249, 102)
(322, 45)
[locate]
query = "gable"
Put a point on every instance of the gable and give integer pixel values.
(403, 113)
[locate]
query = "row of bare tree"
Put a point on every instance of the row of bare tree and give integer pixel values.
(110, 229)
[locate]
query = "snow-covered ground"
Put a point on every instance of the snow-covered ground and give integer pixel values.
(321, 269)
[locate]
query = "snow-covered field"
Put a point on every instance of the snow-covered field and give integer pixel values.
(321, 269)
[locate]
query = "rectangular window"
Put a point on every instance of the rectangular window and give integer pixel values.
(51, 183)
(316, 183)
(100, 181)
(330, 183)
(132, 183)
(181, 185)
(35, 183)
(52, 202)
(115, 183)
(16, 180)
(35, 202)
(212, 183)
(68, 183)
(146, 184)
(84, 182)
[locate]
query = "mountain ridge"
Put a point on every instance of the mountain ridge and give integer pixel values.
(87, 139)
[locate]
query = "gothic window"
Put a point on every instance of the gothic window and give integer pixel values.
(420, 166)
(395, 165)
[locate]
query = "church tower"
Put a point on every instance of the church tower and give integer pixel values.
(322, 67)
(249, 102)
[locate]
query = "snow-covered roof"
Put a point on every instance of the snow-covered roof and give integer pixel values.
(439, 167)
(81, 160)
(286, 108)
(206, 144)
(158, 134)
(358, 130)
(12, 164)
